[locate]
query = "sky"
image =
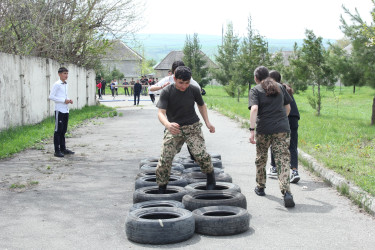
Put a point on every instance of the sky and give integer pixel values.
(278, 19)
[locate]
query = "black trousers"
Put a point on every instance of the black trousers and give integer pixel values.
(61, 126)
(100, 93)
(152, 96)
(126, 90)
(103, 90)
(136, 96)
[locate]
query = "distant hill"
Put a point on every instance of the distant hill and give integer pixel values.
(157, 46)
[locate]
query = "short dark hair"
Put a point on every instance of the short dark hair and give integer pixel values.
(182, 73)
(275, 75)
(62, 69)
(261, 73)
(177, 64)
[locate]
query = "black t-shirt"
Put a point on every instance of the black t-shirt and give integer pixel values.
(272, 118)
(180, 104)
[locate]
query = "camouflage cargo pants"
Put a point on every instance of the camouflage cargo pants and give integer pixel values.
(280, 149)
(193, 136)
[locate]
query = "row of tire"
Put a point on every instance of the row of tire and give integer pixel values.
(187, 206)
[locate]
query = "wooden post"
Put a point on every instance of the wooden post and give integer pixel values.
(373, 112)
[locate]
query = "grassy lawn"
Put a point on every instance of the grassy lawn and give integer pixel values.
(16, 139)
(341, 137)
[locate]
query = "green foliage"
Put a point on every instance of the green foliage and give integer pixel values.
(16, 139)
(226, 58)
(341, 138)
(68, 31)
(194, 59)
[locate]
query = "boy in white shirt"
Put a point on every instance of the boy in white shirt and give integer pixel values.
(59, 94)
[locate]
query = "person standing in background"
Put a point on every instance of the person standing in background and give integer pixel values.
(59, 94)
(126, 91)
(99, 85)
(132, 82)
(137, 92)
(104, 83)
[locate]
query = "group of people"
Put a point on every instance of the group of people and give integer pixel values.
(273, 123)
(138, 87)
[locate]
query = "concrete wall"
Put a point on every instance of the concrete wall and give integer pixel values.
(25, 84)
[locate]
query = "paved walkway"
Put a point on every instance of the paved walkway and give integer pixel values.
(81, 202)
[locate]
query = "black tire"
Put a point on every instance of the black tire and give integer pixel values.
(198, 169)
(152, 174)
(159, 225)
(221, 220)
(190, 164)
(217, 156)
(151, 193)
(147, 181)
(195, 200)
(148, 160)
(161, 203)
(201, 186)
(199, 177)
(152, 166)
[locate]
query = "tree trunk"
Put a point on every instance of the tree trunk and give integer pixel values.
(373, 112)
(238, 94)
(354, 89)
(319, 100)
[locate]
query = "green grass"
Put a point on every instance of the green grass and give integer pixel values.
(16, 139)
(341, 137)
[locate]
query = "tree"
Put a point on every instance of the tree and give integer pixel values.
(314, 63)
(194, 59)
(226, 58)
(68, 31)
(253, 52)
(362, 37)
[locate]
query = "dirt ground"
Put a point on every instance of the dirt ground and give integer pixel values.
(81, 201)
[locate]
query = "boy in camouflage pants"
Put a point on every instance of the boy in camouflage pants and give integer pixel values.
(177, 114)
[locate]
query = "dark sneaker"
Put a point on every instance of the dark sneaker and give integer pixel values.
(273, 171)
(59, 154)
(295, 177)
(68, 152)
(288, 200)
(259, 191)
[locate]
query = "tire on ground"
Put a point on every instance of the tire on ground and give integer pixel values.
(195, 200)
(217, 156)
(198, 169)
(151, 193)
(159, 225)
(151, 173)
(148, 160)
(221, 220)
(152, 166)
(200, 186)
(161, 203)
(188, 163)
(147, 181)
(199, 177)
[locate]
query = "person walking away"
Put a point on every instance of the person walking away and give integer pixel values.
(99, 86)
(177, 113)
(137, 92)
(269, 109)
(126, 91)
(293, 118)
(104, 83)
(59, 94)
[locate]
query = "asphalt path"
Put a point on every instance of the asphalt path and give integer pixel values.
(81, 201)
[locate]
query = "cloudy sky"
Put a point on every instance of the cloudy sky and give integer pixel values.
(281, 19)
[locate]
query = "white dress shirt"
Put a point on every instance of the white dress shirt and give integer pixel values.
(171, 80)
(59, 94)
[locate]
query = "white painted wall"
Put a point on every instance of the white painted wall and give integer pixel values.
(25, 84)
